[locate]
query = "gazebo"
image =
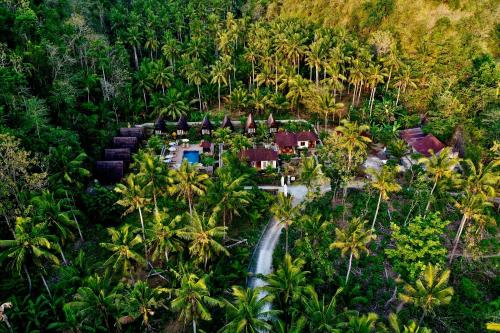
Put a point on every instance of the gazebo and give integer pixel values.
(182, 126)
(206, 126)
(250, 126)
(160, 126)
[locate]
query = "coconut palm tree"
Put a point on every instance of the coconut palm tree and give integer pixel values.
(384, 181)
(142, 302)
(284, 212)
(32, 245)
(411, 327)
(287, 283)
(248, 312)
(375, 76)
(310, 172)
(187, 183)
(153, 176)
(322, 317)
(161, 75)
(353, 241)
(360, 323)
(123, 244)
(95, 302)
(429, 291)
(172, 105)
(192, 299)
(203, 235)
(299, 88)
(133, 199)
(218, 74)
(195, 73)
(439, 167)
(163, 238)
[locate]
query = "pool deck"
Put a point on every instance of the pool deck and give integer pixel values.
(177, 160)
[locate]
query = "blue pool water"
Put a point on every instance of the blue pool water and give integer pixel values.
(192, 156)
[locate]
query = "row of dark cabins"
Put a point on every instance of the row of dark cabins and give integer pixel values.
(207, 127)
(117, 158)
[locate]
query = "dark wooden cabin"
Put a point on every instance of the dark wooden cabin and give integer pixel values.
(226, 123)
(126, 142)
(137, 132)
(182, 126)
(117, 154)
(250, 126)
(206, 126)
(109, 172)
(272, 124)
(160, 125)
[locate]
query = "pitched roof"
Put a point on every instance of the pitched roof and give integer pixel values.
(286, 139)
(182, 123)
(307, 136)
(250, 123)
(138, 132)
(109, 172)
(206, 124)
(227, 123)
(411, 134)
(160, 124)
(117, 154)
(259, 154)
(427, 143)
(125, 142)
(271, 122)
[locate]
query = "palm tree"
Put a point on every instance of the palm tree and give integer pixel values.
(151, 43)
(188, 182)
(32, 244)
(353, 240)
(284, 211)
(95, 302)
(218, 74)
(403, 81)
(161, 75)
(310, 172)
(142, 301)
(195, 74)
(153, 176)
(134, 39)
(248, 312)
(287, 283)
(238, 142)
(163, 236)
(376, 76)
(314, 57)
(429, 291)
(384, 181)
(172, 105)
(133, 198)
(123, 244)
(472, 206)
(360, 324)
(203, 235)
(67, 170)
(322, 316)
(412, 327)
(299, 88)
(440, 167)
(192, 299)
(238, 99)
(170, 50)
(351, 139)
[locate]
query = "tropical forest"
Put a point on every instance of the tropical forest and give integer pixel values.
(250, 166)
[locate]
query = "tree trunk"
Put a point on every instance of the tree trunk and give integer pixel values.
(199, 95)
(62, 256)
(326, 120)
(317, 75)
(190, 205)
(218, 94)
(74, 217)
(421, 319)
(349, 268)
(286, 238)
(376, 211)
(143, 234)
(430, 195)
(28, 277)
(388, 80)
(194, 326)
(457, 237)
(136, 60)
(397, 98)
(46, 285)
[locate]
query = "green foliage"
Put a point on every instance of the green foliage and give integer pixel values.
(418, 244)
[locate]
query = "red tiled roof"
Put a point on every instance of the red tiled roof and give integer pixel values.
(205, 144)
(259, 154)
(307, 136)
(286, 139)
(427, 143)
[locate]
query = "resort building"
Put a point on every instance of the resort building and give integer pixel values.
(206, 126)
(250, 126)
(421, 143)
(260, 158)
(272, 124)
(226, 123)
(287, 142)
(182, 126)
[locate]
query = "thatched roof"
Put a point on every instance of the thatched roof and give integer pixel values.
(117, 154)
(271, 123)
(259, 154)
(182, 124)
(227, 123)
(160, 124)
(109, 172)
(125, 142)
(250, 123)
(206, 124)
(137, 132)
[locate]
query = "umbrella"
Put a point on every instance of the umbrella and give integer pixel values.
(172, 143)
(169, 156)
(172, 149)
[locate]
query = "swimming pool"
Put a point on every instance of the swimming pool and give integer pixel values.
(192, 156)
